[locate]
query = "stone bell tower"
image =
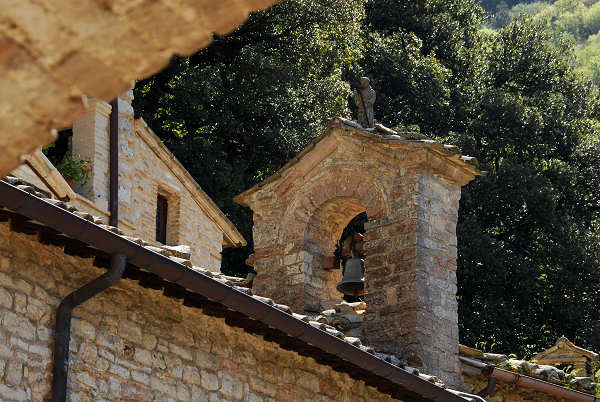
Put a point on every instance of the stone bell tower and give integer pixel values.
(409, 187)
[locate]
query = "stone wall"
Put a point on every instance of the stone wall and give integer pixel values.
(143, 175)
(53, 52)
(411, 275)
(136, 344)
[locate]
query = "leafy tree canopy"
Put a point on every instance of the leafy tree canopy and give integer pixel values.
(527, 231)
(575, 20)
(235, 112)
(528, 262)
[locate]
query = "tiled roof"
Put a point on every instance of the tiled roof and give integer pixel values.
(541, 372)
(56, 222)
(564, 342)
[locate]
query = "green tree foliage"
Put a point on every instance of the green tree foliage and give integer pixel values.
(528, 243)
(235, 112)
(528, 263)
(420, 56)
(576, 20)
(494, 5)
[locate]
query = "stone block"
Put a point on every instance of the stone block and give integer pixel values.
(136, 392)
(159, 361)
(232, 387)
(6, 299)
(40, 350)
(209, 380)
(10, 393)
(175, 366)
(181, 352)
(36, 309)
(83, 328)
(140, 377)
(307, 380)
(149, 341)
(144, 357)
(161, 385)
(18, 325)
(262, 387)
(13, 372)
(119, 371)
(191, 375)
(130, 331)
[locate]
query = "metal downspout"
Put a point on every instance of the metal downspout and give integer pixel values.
(113, 153)
(63, 322)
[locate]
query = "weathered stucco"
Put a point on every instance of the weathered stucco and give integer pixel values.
(137, 343)
(54, 52)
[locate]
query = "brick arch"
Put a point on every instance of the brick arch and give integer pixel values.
(352, 186)
(325, 226)
(314, 222)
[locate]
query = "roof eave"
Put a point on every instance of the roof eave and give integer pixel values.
(467, 164)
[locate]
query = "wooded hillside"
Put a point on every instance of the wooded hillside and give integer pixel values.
(577, 21)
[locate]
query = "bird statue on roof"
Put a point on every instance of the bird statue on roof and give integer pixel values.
(364, 97)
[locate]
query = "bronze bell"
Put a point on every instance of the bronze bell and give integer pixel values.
(353, 281)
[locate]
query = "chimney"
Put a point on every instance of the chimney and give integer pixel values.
(410, 188)
(90, 141)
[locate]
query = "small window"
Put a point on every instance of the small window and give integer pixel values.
(161, 219)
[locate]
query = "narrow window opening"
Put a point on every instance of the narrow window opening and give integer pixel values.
(161, 219)
(351, 245)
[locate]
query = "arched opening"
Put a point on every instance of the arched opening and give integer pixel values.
(327, 227)
(351, 245)
(307, 272)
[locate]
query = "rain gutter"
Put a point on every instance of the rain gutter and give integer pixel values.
(110, 243)
(519, 380)
(62, 335)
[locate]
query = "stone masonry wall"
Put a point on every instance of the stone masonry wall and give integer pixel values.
(136, 344)
(411, 275)
(142, 176)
